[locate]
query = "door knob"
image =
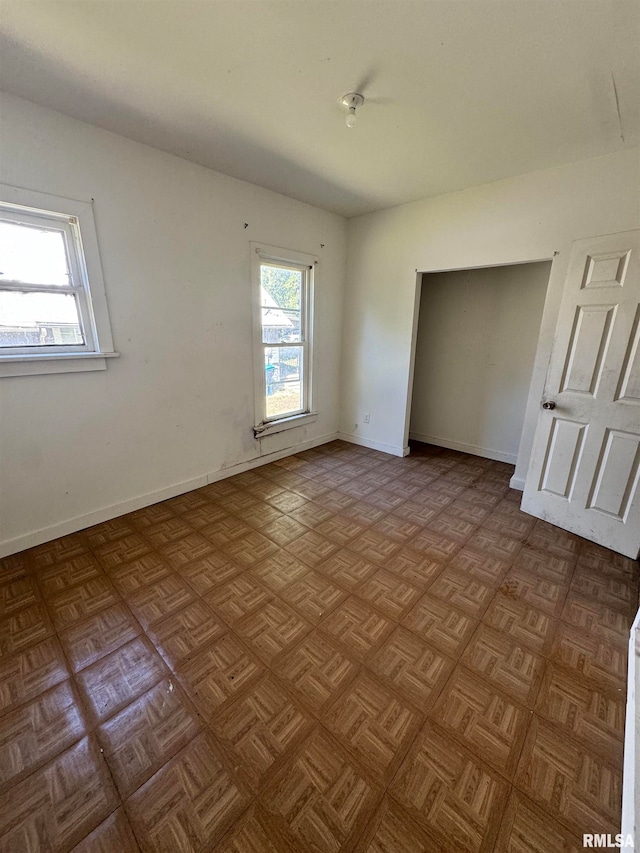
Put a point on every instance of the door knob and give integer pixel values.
(548, 404)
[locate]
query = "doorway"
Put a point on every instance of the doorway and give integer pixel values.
(476, 340)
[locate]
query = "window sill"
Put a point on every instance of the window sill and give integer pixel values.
(272, 427)
(35, 365)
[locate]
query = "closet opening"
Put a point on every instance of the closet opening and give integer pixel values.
(475, 344)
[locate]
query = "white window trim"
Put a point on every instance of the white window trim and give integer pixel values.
(99, 340)
(261, 253)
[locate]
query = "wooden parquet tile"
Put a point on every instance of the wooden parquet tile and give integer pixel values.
(237, 598)
(435, 545)
(539, 592)
(17, 594)
(108, 531)
(594, 660)
(347, 569)
(113, 834)
(186, 632)
(146, 734)
(29, 673)
(25, 628)
(58, 805)
(144, 518)
(374, 547)
(254, 833)
(116, 680)
(189, 803)
(166, 596)
(315, 671)
(337, 652)
(119, 551)
(183, 551)
(320, 799)
(392, 831)
(210, 572)
(82, 601)
(577, 787)
(412, 667)
(489, 723)
(390, 594)
(595, 619)
(453, 795)
(490, 570)
(311, 514)
(527, 625)
(57, 551)
(527, 829)
(541, 563)
(279, 570)
(37, 731)
(217, 674)
(313, 596)
(272, 629)
(374, 724)
(62, 576)
(259, 730)
(88, 641)
(284, 530)
(586, 712)
(169, 530)
(250, 549)
(413, 567)
(133, 576)
(357, 627)
(339, 529)
(464, 591)
(312, 548)
(442, 624)
(496, 658)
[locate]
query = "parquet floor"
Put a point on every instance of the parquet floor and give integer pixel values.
(340, 651)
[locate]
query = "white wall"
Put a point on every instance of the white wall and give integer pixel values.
(521, 219)
(178, 404)
(476, 342)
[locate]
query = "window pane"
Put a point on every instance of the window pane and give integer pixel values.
(32, 255)
(283, 377)
(281, 298)
(38, 319)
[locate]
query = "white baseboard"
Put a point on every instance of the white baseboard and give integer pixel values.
(80, 522)
(631, 766)
(517, 483)
(486, 452)
(393, 449)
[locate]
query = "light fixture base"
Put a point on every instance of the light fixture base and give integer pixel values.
(352, 100)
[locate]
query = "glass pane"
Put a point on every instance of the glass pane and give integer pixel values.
(281, 298)
(283, 375)
(39, 319)
(32, 255)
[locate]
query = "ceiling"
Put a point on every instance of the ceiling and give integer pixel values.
(457, 93)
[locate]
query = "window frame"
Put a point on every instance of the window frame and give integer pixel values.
(74, 219)
(307, 264)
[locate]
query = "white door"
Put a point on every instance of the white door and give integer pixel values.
(585, 463)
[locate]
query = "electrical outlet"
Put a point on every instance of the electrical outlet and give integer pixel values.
(367, 417)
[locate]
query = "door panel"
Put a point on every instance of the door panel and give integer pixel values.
(585, 463)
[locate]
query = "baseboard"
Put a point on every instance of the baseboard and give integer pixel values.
(393, 449)
(631, 766)
(486, 452)
(517, 483)
(80, 522)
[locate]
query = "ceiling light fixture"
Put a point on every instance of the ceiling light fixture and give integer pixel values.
(351, 101)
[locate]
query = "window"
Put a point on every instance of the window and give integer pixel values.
(50, 319)
(283, 311)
